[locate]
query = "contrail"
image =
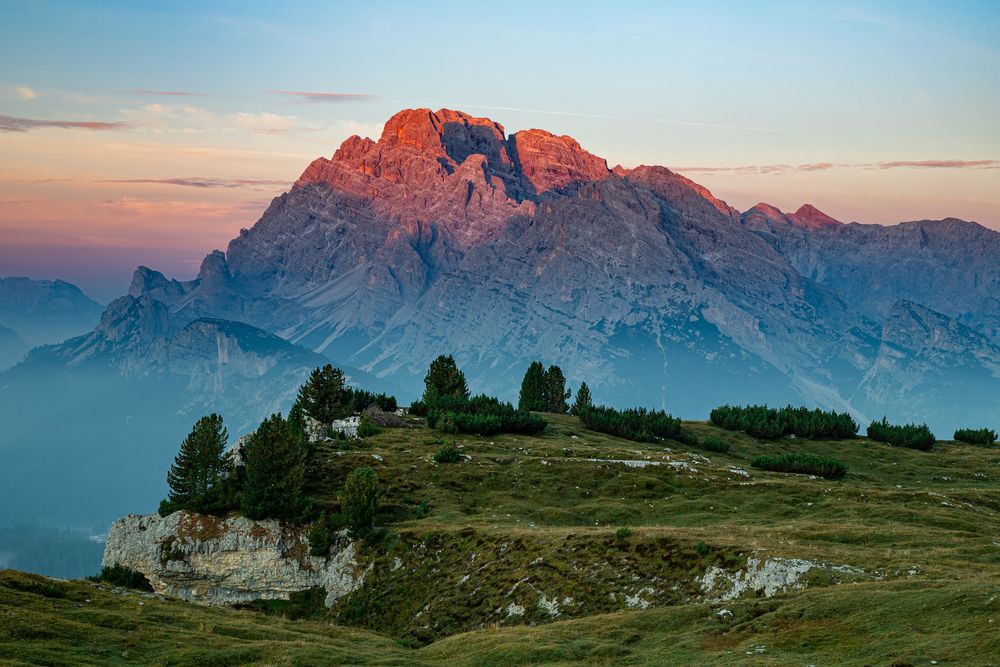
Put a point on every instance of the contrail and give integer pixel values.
(674, 121)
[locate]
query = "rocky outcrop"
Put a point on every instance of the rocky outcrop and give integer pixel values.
(211, 560)
(766, 577)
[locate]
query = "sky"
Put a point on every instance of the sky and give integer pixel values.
(152, 132)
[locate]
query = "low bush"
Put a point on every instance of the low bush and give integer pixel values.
(714, 445)
(481, 415)
(367, 427)
(911, 436)
(760, 421)
(360, 399)
(637, 424)
(623, 533)
(803, 464)
(417, 409)
(976, 436)
(322, 532)
(448, 454)
(119, 575)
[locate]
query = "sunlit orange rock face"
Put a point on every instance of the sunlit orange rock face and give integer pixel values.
(456, 171)
(549, 162)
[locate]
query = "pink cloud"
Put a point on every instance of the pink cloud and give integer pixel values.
(201, 182)
(15, 124)
(940, 164)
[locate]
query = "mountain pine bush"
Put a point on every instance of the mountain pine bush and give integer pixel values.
(714, 445)
(803, 464)
(448, 454)
(760, 421)
(912, 436)
(637, 424)
(976, 436)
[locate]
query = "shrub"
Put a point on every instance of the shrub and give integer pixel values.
(367, 427)
(976, 436)
(448, 454)
(119, 575)
(637, 424)
(359, 500)
(319, 537)
(804, 464)
(417, 408)
(911, 436)
(715, 445)
(702, 549)
(623, 533)
(360, 399)
(760, 421)
(482, 415)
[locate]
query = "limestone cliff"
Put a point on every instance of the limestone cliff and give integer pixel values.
(224, 561)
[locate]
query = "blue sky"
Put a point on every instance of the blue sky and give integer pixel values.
(893, 106)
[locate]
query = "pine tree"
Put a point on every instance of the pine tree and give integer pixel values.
(359, 500)
(583, 400)
(556, 393)
(323, 396)
(199, 472)
(533, 389)
(275, 471)
(444, 379)
(297, 423)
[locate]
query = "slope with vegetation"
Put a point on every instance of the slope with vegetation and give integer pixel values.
(572, 545)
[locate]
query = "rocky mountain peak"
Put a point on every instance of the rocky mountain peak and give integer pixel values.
(810, 217)
(549, 162)
(764, 217)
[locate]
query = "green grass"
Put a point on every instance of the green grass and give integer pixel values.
(544, 511)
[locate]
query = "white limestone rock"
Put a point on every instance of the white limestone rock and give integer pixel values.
(217, 561)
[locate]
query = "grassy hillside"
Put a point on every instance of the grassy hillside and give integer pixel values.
(534, 523)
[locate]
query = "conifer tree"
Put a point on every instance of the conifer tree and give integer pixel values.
(444, 379)
(583, 400)
(275, 471)
(533, 394)
(556, 393)
(297, 423)
(323, 396)
(200, 470)
(359, 500)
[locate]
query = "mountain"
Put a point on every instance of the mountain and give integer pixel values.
(447, 235)
(948, 265)
(108, 410)
(12, 348)
(45, 311)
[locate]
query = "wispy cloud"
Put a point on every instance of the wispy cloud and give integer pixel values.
(824, 166)
(167, 93)
(25, 93)
(15, 124)
(941, 164)
(303, 96)
(202, 182)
